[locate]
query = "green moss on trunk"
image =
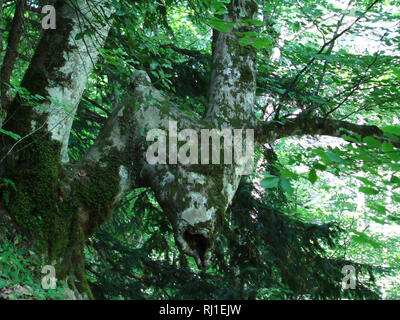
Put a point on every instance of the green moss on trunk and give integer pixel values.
(59, 215)
(35, 171)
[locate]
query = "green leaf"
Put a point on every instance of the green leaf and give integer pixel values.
(312, 176)
(120, 13)
(286, 186)
(381, 210)
(391, 152)
(391, 129)
(220, 25)
(363, 239)
(366, 181)
(387, 147)
(394, 218)
(334, 157)
(253, 39)
(368, 190)
(142, 133)
(371, 142)
(395, 181)
(153, 65)
(260, 43)
(79, 35)
(395, 156)
(270, 182)
(322, 154)
(10, 134)
(8, 182)
(286, 173)
(319, 166)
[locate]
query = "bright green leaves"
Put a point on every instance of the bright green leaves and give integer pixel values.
(396, 198)
(87, 33)
(387, 147)
(286, 186)
(363, 239)
(117, 60)
(217, 7)
(248, 38)
(390, 151)
(254, 39)
(10, 134)
(391, 130)
(220, 25)
(366, 181)
(371, 142)
(283, 181)
(373, 149)
(329, 157)
(8, 182)
(333, 157)
(395, 181)
(162, 73)
(270, 182)
(322, 154)
(253, 22)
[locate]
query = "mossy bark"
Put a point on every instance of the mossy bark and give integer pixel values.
(233, 76)
(59, 207)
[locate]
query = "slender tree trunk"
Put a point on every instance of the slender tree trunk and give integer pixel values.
(12, 48)
(1, 50)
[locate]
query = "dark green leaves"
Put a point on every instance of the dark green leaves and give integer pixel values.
(368, 190)
(312, 176)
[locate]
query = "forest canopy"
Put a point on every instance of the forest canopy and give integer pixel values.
(84, 82)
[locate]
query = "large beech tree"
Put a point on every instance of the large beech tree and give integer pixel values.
(60, 203)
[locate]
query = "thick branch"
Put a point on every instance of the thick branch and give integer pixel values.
(58, 72)
(233, 76)
(305, 125)
(194, 196)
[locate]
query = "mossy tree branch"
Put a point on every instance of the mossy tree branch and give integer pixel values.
(304, 124)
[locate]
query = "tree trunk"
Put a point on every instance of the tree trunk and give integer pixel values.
(42, 204)
(1, 50)
(12, 48)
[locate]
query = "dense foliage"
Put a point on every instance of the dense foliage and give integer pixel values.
(313, 205)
